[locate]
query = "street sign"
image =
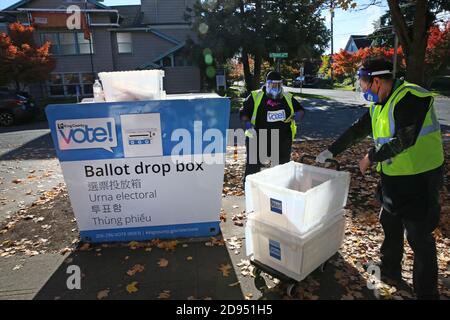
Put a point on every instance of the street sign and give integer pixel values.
(278, 55)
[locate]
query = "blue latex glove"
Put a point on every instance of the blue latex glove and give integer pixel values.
(248, 125)
(297, 116)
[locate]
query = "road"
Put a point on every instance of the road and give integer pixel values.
(442, 104)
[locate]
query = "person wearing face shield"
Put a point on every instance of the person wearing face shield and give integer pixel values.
(270, 108)
(408, 154)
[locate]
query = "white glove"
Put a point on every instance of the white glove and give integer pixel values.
(323, 156)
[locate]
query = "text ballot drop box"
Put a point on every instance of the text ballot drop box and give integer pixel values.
(143, 169)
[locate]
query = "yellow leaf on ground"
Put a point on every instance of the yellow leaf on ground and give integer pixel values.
(133, 245)
(131, 288)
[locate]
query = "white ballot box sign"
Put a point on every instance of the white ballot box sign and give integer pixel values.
(143, 169)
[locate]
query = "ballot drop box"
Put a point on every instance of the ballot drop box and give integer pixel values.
(143, 169)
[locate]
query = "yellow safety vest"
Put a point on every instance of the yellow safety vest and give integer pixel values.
(257, 96)
(426, 154)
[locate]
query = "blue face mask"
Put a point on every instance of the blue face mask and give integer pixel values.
(274, 89)
(370, 96)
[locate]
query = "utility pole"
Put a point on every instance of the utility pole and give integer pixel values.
(332, 47)
(395, 52)
(88, 25)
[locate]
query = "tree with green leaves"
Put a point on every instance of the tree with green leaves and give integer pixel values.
(254, 29)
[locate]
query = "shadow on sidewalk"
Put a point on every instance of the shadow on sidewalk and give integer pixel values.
(40, 148)
(104, 267)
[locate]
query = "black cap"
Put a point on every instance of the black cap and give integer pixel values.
(273, 75)
(378, 63)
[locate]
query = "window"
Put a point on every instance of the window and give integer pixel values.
(177, 59)
(83, 44)
(181, 59)
(3, 27)
(53, 39)
(67, 84)
(68, 43)
(124, 44)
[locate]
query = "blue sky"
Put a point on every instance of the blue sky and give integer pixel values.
(346, 23)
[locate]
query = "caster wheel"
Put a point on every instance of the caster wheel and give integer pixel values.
(260, 284)
(291, 289)
(323, 266)
(256, 272)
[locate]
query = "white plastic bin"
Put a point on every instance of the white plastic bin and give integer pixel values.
(133, 85)
(292, 254)
(296, 196)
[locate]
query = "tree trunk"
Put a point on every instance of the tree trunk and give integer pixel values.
(247, 74)
(414, 47)
(17, 84)
(259, 45)
(257, 71)
(415, 66)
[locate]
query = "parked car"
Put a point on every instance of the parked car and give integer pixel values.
(15, 108)
(308, 81)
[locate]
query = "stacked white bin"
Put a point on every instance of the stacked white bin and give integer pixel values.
(133, 85)
(295, 216)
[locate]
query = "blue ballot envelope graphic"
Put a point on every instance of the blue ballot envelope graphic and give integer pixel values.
(140, 137)
(127, 164)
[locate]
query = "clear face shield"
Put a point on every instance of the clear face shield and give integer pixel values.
(363, 89)
(274, 88)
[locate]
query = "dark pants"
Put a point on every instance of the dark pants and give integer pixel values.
(411, 204)
(284, 155)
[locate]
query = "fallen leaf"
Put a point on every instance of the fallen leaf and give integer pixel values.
(85, 246)
(103, 294)
(133, 245)
(164, 295)
(168, 245)
(225, 269)
(135, 269)
(65, 250)
(131, 288)
(163, 263)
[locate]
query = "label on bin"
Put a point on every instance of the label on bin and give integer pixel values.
(276, 206)
(275, 249)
